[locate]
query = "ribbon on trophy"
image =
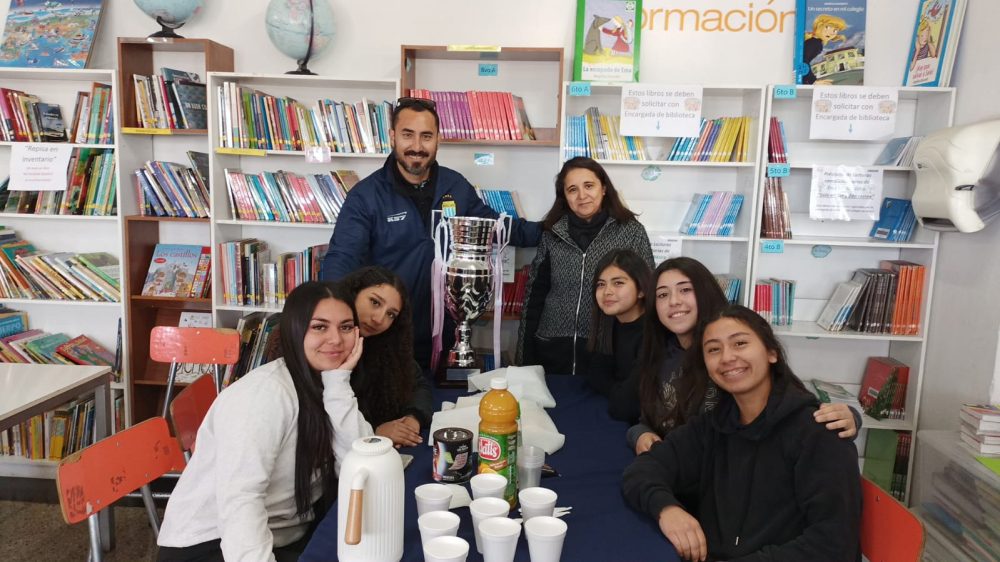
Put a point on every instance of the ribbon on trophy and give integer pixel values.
(441, 235)
(501, 234)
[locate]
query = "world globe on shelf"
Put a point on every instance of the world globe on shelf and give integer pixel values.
(287, 23)
(170, 14)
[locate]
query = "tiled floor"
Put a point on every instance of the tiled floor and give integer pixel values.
(36, 532)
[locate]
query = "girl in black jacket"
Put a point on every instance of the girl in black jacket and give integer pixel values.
(761, 480)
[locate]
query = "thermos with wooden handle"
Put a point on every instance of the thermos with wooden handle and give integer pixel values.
(370, 503)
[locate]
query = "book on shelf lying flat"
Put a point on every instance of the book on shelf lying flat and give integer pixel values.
(480, 115)
(249, 118)
(830, 393)
(178, 270)
(286, 196)
(983, 417)
(26, 273)
(898, 152)
(597, 136)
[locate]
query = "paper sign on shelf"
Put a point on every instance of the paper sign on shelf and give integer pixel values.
(845, 193)
(489, 69)
(772, 247)
(579, 88)
(649, 110)
(853, 113)
(317, 154)
(39, 167)
(785, 92)
(665, 245)
(778, 170)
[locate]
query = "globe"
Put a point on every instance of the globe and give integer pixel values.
(287, 23)
(170, 14)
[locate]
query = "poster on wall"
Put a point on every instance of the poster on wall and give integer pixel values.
(47, 34)
(607, 40)
(830, 42)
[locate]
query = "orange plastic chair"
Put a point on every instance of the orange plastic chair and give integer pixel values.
(215, 346)
(188, 410)
(889, 531)
(92, 479)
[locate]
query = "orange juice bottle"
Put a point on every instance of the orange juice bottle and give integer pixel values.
(498, 433)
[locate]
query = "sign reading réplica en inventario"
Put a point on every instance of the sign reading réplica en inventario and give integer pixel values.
(649, 110)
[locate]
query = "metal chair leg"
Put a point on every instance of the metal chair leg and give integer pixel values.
(171, 376)
(218, 379)
(95, 538)
(147, 499)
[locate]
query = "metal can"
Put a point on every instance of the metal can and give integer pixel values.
(452, 454)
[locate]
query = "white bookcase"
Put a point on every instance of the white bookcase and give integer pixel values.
(661, 190)
(280, 236)
(822, 254)
(72, 233)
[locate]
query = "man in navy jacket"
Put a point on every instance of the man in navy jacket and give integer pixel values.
(386, 219)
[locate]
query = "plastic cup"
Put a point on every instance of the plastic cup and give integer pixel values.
(483, 509)
(432, 497)
(435, 524)
(536, 502)
(545, 538)
(446, 549)
(499, 536)
(488, 486)
(529, 466)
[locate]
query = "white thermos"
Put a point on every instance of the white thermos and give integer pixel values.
(370, 503)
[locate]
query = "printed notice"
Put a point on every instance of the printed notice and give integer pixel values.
(665, 245)
(509, 267)
(853, 113)
(845, 193)
(39, 167)
(660, 111)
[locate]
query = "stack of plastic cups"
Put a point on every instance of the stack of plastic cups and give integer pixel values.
(529, 466)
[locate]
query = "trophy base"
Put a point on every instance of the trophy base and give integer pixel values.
(455, 377)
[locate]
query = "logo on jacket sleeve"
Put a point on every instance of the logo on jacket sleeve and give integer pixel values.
(396, 217)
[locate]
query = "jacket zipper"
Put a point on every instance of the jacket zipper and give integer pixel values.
(579, 300)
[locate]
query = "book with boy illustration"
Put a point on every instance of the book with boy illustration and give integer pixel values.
(48, 34)
(172, 270)
(607, 40)
(830, 42)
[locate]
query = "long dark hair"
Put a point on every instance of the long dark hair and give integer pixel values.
(387, 360)
(694, 361)
(602, 325)
(314, 447)
(612, 202)
(690, 391)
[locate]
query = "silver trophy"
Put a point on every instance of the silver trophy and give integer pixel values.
(468, 282)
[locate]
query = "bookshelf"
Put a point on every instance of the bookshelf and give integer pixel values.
(661, 190)
(822, 254)
(146, 56)
(62, 233)
(280, 237)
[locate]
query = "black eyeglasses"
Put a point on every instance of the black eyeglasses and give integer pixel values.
(415, 102)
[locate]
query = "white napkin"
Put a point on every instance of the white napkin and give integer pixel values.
(537, 428)
(526, 383)
(459, 496)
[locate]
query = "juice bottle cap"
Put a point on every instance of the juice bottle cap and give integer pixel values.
(499, 383)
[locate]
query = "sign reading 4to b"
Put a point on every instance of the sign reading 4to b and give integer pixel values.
(772, 247)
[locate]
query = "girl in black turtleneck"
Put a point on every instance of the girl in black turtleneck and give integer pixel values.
(619, 291)
(586, 222)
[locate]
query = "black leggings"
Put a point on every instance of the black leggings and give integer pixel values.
(211, 551)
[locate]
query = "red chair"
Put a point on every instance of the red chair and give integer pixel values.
(214, 346)
(94, 478)
(188, 410)
(889, 531)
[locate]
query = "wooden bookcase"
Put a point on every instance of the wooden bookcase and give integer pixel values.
(71, 233)
(145, 56)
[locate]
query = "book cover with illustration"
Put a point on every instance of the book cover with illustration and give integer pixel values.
(607, 40)
(830, 41)
(934, 42)
(49, 33)
(171, 270)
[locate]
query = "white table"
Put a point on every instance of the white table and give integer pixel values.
(27, 390)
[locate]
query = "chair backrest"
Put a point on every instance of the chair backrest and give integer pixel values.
(207, 346)
(99, 475)
(189, 408)
(889, 531)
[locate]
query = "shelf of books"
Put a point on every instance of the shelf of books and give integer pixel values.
(285, 151)
(164, 164)
(843, 292)
(692, 194)
(59, 290)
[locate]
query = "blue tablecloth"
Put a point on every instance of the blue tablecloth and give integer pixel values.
(602, 528)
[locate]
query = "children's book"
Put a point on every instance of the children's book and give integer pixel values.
(82, 350)
(607, 40)
(171, 270)
(50, 34)
(830, 42)
(934, 42)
